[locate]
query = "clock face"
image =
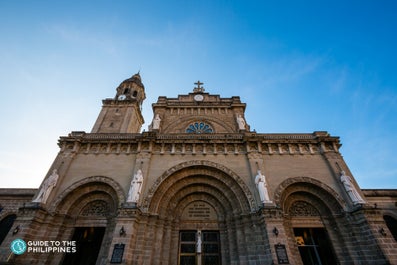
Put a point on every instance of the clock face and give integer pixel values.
(198, 97)
(121, 97)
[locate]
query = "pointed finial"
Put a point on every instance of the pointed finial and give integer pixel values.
(137, 75)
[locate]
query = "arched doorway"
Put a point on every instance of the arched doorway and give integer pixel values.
(89, 230)
(311, 211)
(207, 216)
(199, 231)
(311, 236)
(91, 206)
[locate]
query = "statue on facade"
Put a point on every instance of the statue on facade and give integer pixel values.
(135, 187)
(199, 242)
(241, 122)
(350, 189)
(156, 122)
(47, 187)
(260, 181)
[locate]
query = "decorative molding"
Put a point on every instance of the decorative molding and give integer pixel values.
(255, 156)
(160, 147)
(301, 208)
(95, 208)
(271, 213)
(180, 124)
(127, 211)
(317, 188)
(95, 180)
(280, 144)
(193, 163)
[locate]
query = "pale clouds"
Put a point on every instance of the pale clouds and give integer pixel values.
(84, 38)
(22, 169)
(290, 69)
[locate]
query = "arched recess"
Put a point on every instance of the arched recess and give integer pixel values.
(77, 195)
(180, 125)
(90, 206)
(312, 186)
(199, 178)
(187, 188)
(313, 216)
(213, 187)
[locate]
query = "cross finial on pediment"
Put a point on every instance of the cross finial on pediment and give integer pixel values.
(199, 88)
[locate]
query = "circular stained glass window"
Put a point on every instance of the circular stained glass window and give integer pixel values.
(199, 127)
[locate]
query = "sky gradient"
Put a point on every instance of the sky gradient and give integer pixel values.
(301, 66)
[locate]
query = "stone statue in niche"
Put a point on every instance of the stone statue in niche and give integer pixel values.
(241, 122)
(47, 187)
(350, 189)
(156, 122)
(135, 187)
(260, 181)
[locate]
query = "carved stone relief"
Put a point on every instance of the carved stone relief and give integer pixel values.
(95, 208)
(301, 208)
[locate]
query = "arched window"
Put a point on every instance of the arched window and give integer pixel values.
(199, 127)
(392, 225)
(5, 226)
(135, 93)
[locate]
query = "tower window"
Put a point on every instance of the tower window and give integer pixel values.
(135, 93)
(126, 91)
(199, 127)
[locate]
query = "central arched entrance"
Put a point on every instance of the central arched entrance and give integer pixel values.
(199, 237)
(205, 214)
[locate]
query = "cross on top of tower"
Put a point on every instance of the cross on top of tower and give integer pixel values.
(199, 88)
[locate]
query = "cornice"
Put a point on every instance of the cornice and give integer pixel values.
(380, 192)
(17, 192)
(248, 136)
(210, 101)
(114, 102)
(232, 143)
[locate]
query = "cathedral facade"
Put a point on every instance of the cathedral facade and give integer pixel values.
(198, 187)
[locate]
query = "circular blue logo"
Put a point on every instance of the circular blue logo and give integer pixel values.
(18, 246)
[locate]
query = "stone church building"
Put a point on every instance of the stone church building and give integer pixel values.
(197, 187)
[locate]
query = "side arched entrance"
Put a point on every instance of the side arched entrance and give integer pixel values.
(313, 222)
(90, 207)
(202, 214)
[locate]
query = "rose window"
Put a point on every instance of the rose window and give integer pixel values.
(199, 127)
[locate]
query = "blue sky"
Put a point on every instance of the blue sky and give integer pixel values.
(301, 66)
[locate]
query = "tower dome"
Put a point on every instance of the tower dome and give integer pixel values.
(131, 89)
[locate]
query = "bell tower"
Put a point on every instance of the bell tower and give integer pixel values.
(123, 113)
